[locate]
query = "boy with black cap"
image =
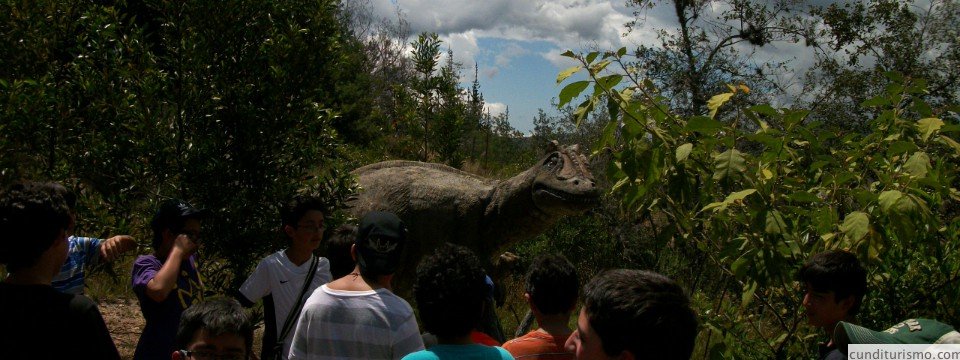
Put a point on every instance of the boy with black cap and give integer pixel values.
(167, 282)
(357, 316)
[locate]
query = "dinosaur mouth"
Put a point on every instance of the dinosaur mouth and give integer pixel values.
(559, 198)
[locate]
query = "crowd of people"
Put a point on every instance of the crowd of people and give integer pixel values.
(342, 306)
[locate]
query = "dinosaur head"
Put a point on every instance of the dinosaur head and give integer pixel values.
(563, 184)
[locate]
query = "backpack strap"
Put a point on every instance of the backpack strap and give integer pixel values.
(288, 324)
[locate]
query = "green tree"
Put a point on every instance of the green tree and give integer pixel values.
(858, 42)
(750, 204)
(137, 102)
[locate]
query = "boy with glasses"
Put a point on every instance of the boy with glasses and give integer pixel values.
(214, 330)
(287, 277)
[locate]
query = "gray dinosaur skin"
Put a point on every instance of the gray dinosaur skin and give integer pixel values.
(441, 204)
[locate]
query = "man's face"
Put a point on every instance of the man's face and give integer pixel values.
(308, 232)
(205, 346)
(822, 308)
(584, 342)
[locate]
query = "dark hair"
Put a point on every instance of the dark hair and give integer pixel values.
(338, 250)
(450, 291)
(32, 215)
(837, 271)
(172, 215)
(642, 312)
(217, 316)
(553, 284)
(293, 210)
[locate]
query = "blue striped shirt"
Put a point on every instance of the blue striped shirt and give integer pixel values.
(83, 251)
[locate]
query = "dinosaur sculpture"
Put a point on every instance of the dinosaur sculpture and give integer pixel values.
(441, 204)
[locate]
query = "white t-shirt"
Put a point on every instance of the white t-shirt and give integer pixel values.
(338, 324)
(277, 276)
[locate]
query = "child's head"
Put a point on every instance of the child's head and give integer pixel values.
(338, 250)
(450, 290)
(635, 311)
(216, 327)
(172, 219)
(303, 220)
(381, 237)
(33, 217)
(835, 284)
(552, 285)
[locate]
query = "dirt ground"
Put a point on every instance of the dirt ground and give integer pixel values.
(125, 323)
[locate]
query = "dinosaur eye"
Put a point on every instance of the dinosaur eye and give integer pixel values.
(552, 162)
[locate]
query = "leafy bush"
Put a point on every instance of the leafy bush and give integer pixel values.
(748, 193)
(134, 102)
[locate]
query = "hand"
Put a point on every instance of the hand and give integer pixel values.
(112, 248)
(186, 244)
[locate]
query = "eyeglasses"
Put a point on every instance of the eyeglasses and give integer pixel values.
(212, 355)
(312, 229)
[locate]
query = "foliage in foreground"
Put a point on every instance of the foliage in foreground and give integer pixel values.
(132, 103)
(750, 192)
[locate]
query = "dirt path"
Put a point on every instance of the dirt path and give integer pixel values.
(125, 323)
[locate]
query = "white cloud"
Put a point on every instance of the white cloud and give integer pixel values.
(570, 24)
(494, 108)
(559, 61)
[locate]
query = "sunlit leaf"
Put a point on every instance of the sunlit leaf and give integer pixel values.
(928, 126)
(567, 73)
(888, 199)
(716, 101)
(918, 165)
(683, 151)
(855, 225)
(739, 195)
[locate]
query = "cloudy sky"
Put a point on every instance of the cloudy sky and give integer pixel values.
(517, 43)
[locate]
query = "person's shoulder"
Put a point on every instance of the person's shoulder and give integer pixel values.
(421, 355)
(394, 301)
(82, 303)
(504, 354)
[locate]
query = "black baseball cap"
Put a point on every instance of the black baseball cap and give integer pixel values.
(380, 240)
(173, 211)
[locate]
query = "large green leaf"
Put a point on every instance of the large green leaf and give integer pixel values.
(571, 91)
(729, 164)
(918, 165)
(888, 199)
(856, 225)
(731, 199)
(928, 126)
